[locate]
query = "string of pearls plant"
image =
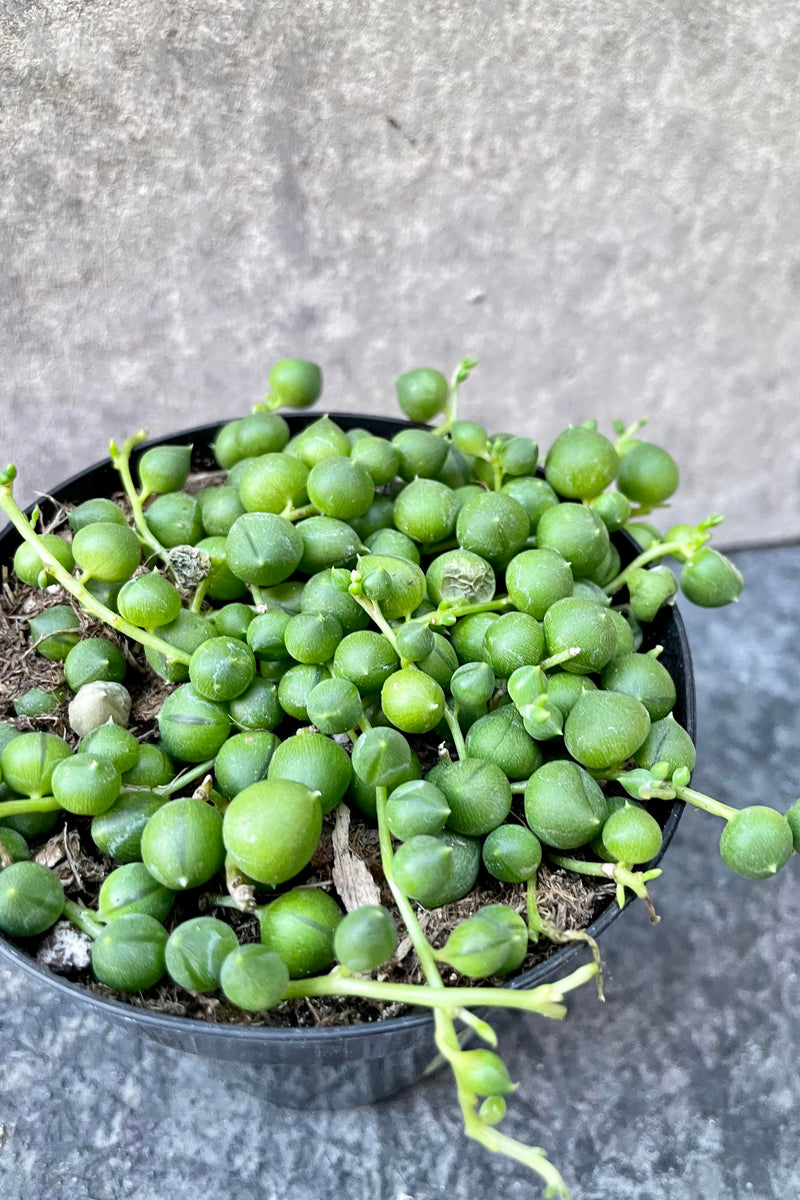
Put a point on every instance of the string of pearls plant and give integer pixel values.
(344, 592)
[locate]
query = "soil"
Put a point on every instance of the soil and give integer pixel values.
(569, 901)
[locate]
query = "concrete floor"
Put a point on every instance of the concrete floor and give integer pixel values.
(682, 1086)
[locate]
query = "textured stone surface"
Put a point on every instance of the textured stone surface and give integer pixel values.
(682, 1086)
(600, 203)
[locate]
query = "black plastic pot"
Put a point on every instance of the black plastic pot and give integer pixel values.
(330, 1067)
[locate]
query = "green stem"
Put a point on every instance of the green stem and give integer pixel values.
(218, 900)
(86, 600)
(122, 462)
(451, 717)
(450, 413)
(221, 803)
(659, 550)
(374, 612)
(706, 803)
(185, 778)
(36, 804)
(624, 877)
(629, 433)
(530, 1156)
(644, 510)
(298, 514)
(540, 1000)
(555, 660)
(449, 615)
(539, 926)
(497, 475)
(583, 866)
(639, 783)
(459, 376)
(621, 874)
(420, 943)
(270, 403)
(446, 1038)
(83, 919)
(200, 595)
(481, 1027)
(534, 917)
(500, 1143)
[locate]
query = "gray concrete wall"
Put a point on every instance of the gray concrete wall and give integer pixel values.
(600, 201)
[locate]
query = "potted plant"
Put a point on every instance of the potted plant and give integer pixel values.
(351, 575)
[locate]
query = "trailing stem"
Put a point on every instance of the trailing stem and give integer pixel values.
(621, 874)
(446, 1037)
(544, 1000)
(185, 778)
(87, 601)
(199, 595)
(373, 611)
(451, 717)
(459, 376)
(83, 919)
(539, 926)
(36, 804)
(122, 462)
(448, 613)
(648, 785)
(299, 514)
(679, 546)
(707, 803)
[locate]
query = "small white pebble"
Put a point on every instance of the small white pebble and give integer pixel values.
(65, 949)
(98, 702)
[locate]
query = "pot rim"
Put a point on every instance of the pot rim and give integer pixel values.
(152, 1022)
